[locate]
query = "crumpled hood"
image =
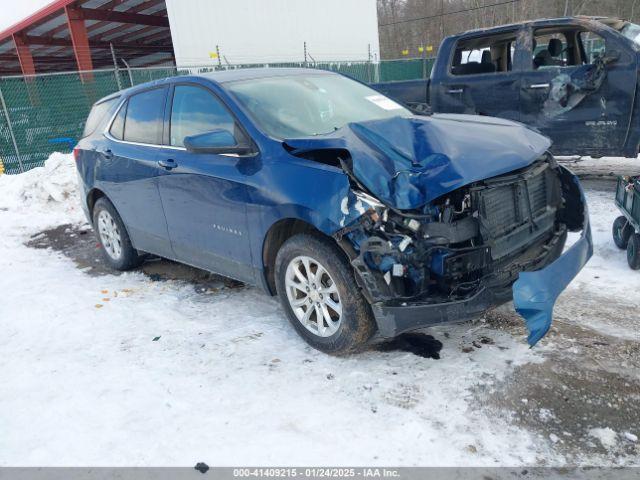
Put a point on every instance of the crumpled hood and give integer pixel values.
(408, 162)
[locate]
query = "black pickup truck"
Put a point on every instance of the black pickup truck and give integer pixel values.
(574, 79)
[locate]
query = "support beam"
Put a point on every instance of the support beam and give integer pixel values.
(63, 42)
(79, 38)
(24, 55)
(124, 17)
(138, 8)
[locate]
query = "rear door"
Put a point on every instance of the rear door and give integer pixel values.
(571, 96)
(480, 78)
(204, 195)
(129, 172)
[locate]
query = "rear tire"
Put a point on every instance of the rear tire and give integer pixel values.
(633, 251)
(324, 304)
(621, 232)
(114, 239)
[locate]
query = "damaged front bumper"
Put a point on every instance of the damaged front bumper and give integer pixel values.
(534, 292)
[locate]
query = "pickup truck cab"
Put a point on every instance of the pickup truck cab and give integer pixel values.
(573, 79)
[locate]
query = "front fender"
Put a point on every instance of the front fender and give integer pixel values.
(535, 293)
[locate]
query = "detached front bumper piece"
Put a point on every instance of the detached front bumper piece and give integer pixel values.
(534, 293)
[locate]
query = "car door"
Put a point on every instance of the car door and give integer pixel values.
(578, 88)
(203, 194)
(129, 172)
(480, 78)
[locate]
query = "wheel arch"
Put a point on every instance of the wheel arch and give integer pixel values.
(279, 233)
(92, 197)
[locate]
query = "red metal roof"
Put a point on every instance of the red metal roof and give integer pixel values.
(138, 30)
(41, 14)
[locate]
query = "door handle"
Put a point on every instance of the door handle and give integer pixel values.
(108, 154)
(168, 163)
(455, 90)
(536, 86)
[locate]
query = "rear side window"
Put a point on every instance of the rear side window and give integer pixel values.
(117, 127)
(97, 115)
(195, 110)
(144, 117)
(493, 54)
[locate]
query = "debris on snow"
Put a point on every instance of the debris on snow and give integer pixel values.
(607, 437)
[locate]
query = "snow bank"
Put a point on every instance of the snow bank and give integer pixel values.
(48, 195)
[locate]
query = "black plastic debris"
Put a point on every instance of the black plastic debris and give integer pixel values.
(155, 339)
(201, 466)
(417, 343)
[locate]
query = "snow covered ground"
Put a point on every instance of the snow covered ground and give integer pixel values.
(124, 370)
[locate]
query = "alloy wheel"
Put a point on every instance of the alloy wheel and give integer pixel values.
(313, 296)
(109, 235)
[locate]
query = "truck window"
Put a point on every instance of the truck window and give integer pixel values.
(565, 48)
(593, 46)
(550, 50)
(488, 55)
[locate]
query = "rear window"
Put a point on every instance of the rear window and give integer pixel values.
(144, 119)
(97, 115)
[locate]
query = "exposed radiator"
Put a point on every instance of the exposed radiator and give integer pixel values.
(515, 209)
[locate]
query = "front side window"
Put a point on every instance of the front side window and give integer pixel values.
(311, 104)
(194, 111)
(552, 50)
(593, 46)
(144, 117)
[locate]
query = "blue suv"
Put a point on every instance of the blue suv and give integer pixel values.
(365, 218)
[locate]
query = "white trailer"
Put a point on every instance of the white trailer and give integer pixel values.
(269, 31)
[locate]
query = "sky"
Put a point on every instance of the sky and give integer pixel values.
(13, 11)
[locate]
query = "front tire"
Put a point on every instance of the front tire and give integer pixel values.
(114, 239)
(621, 232)
(318, 291)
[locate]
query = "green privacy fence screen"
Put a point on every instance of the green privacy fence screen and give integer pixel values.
(45, 113)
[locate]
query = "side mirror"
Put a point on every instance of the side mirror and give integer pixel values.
(217, 141)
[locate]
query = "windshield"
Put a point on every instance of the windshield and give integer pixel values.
(632, 32)
(307, 105)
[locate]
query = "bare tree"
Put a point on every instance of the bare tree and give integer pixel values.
(407, 25)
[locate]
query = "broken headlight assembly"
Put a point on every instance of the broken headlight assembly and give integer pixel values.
(481, 235)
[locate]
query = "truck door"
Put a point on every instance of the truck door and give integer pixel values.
(578, 88)
(480, 78)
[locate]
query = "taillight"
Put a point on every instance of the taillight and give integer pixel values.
(76, 153)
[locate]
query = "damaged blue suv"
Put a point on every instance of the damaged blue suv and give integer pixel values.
(365, 219)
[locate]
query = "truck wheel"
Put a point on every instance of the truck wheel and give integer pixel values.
(318, 290)
(633, 251)
(621, 232)
(116, 246)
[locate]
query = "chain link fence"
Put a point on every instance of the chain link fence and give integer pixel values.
(45, 113)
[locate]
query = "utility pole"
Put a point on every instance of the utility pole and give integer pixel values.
(115, 66)
(305, 53)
